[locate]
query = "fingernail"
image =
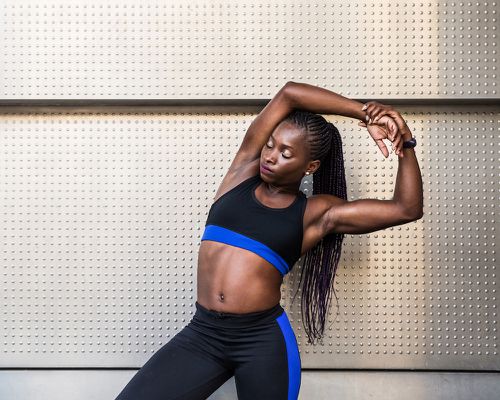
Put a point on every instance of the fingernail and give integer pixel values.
(364, 107)
(367, 117)
(370, 121)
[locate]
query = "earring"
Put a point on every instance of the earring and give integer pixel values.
(307, 173)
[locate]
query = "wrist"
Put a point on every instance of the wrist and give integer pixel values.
(406, 136)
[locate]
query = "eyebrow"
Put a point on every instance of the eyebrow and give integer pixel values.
(284, 145)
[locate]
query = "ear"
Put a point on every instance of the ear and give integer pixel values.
(313, 166)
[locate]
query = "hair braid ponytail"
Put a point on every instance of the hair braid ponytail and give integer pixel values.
(320, 262)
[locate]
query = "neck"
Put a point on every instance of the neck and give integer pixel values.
(273, 189)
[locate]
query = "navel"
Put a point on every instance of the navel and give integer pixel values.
(221, 297)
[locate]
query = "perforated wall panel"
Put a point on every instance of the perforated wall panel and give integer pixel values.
(203, 49)
(101, 217)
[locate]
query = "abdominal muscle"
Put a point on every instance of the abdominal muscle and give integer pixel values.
(235, 280)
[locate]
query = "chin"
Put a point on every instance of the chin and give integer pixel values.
(264, 177)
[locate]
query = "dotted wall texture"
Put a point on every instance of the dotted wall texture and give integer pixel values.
(101, 216)
(204, 49)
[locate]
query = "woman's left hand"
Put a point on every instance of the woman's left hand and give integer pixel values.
(382, 126)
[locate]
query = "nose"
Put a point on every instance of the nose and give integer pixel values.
(269, 157)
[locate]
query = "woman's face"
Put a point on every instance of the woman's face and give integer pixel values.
(286, 154)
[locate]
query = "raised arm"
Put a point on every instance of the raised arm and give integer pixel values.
(261, 128)
(245, 162)
(369, 215)
(322, 101)
(365, 215)
(291, 95)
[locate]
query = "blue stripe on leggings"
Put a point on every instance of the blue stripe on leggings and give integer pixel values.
(293, 355)
(224, 235)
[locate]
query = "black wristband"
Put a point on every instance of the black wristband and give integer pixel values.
(410, 143)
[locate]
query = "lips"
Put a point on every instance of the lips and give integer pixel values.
(265, 169)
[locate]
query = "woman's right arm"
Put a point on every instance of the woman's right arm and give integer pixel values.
(262, 127)
(245, 163)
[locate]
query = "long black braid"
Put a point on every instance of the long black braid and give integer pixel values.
(320, 262)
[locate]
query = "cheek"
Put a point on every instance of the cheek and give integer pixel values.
(291, 164)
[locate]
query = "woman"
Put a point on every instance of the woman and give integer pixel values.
(257, 228)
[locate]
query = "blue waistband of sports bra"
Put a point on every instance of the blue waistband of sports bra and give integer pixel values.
(224, 235)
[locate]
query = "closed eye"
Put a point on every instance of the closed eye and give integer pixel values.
(267, 145)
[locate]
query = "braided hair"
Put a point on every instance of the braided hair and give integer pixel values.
(320, 262)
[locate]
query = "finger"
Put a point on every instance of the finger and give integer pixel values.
(377, 114)
(397, 142)
(382, 147)
(362, 123)
(400, 146)
(370, 118)
(393, 128)
(400, 153)
(365, 109)
(367, 104)
(369, 108)
(381, 112)
(389, 125)
(395, 147)
(372, 109)
(396, 116)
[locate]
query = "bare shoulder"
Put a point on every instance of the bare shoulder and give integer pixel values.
(234, 177)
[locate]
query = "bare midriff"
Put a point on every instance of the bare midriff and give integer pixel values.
(235, 280)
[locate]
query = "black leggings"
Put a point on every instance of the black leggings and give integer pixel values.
(258, 348)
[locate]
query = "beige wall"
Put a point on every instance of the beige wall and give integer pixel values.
(102, 209)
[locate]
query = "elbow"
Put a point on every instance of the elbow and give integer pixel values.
(291, 84)
(410, 213)
(287, 92)
(287, 86)
(414, 215)
(419, 215)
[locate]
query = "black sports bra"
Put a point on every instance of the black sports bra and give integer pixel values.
(239, 219)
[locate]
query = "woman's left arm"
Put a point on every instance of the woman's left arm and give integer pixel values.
(369, 215)
(408, 191)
